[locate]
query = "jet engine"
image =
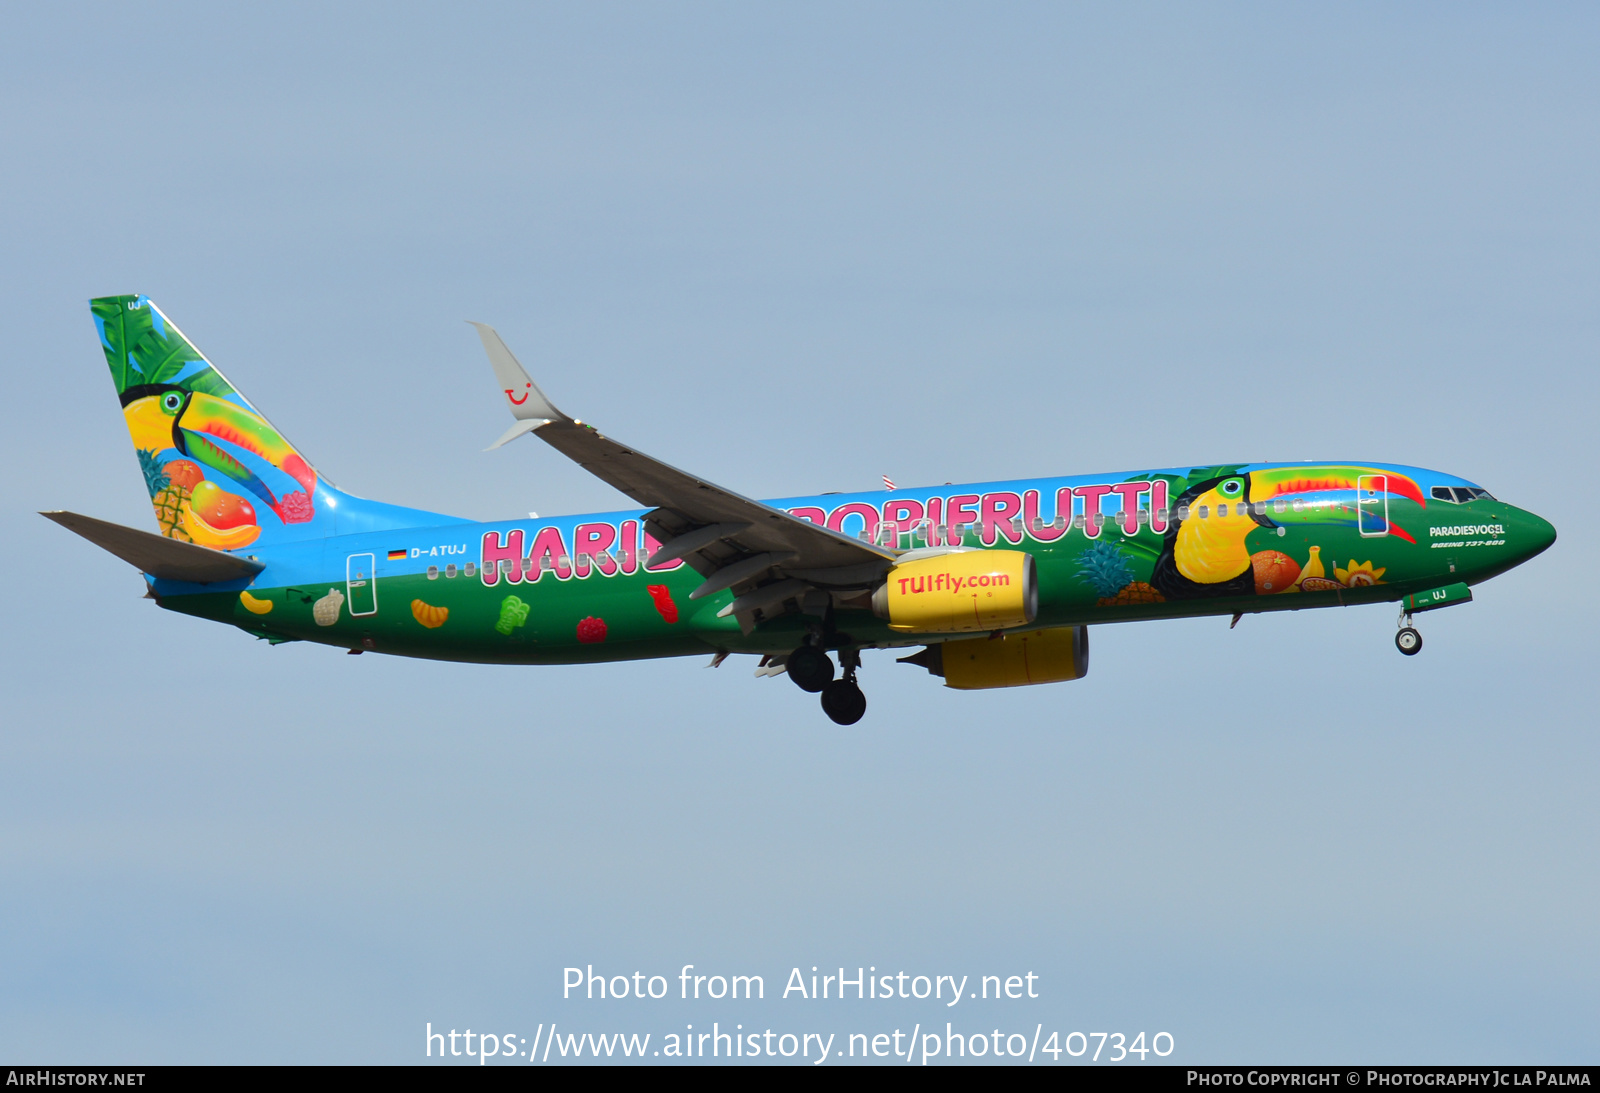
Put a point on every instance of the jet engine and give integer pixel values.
(956, 593)
(1010, 660)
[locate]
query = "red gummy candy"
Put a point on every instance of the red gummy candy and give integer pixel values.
(662, 596)
(592, 630)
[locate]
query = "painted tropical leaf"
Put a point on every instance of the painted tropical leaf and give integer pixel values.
(1142, 547)
(141, 346)
(1198, 475)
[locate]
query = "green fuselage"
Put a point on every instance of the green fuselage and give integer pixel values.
(1120, 556)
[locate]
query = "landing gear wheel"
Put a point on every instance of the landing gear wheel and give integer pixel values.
(810, 668)
(843, 701)
(1408, 641)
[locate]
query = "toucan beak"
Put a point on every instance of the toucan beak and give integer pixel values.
(222, 420)
(1289, 482)
(1320, 509)
(148, 424)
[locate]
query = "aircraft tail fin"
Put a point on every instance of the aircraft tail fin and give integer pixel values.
(219, 474)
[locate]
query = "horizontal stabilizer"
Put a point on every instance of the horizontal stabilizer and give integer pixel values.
(167, 559)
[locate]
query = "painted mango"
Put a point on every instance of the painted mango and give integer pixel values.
(219, 519)
(220, 509)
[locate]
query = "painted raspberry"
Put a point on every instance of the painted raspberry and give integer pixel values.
(592, 631)
(296, 507)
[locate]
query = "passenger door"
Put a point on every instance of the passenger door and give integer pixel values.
(361, 584)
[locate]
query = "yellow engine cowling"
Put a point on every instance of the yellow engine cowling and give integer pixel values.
(955, 593)
(1011, 660)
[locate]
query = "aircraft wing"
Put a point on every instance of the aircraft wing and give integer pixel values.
(764, 554)
(168, 559)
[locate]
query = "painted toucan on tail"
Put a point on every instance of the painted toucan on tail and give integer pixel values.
(202, 427)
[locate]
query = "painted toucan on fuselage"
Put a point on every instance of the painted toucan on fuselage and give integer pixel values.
(998, 580)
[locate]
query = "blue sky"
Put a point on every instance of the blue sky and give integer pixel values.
(794, 248)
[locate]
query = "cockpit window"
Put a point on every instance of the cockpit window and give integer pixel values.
(1460, 495)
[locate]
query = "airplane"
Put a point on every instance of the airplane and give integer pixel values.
(996, 582)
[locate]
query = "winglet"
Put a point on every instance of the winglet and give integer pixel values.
(527, 403)
(515, 431)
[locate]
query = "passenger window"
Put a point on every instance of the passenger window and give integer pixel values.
(433, 573)
(561, 560)
(1205, 512)
(1161, 514)
(1279, 505)
(1298, 505)
(1078, 521)
(471, 569)
(450, 570)
(1183, 512)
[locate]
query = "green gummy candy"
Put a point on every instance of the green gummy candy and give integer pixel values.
(513, 613)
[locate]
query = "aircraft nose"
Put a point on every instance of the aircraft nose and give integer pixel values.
(1534, 534)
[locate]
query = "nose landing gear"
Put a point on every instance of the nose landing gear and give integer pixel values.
(1408, 641)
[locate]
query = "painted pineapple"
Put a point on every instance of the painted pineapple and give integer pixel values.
(1107, 570)
(168, 492)
(326, 610)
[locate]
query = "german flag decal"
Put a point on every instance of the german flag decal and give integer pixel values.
(397, 555)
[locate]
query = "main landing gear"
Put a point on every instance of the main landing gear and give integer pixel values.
(1408, 641)
(812, 672)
